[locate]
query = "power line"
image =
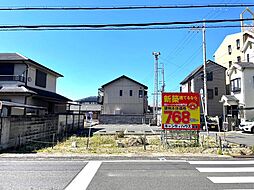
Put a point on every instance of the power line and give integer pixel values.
(98, 26)
(127, 24)
(115, 28)
(124, 7)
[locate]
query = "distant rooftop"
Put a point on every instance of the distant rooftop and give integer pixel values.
(88, 99)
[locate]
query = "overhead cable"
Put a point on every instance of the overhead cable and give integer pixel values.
(125, 7)
(114, 28)
(64, 26)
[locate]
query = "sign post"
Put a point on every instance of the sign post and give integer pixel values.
(181, 111)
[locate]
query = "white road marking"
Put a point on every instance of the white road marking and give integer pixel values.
(36, 161)
(245, 179)
(142, 161)
(223, 170)
(221, 162)
(83, 179)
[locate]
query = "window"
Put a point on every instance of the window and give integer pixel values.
(140, 93)
(216, 91)
(6, 69)
(210, 76)
(229, 49)
(238, 58)
(238, 44)
(130, 92)
(250, 45)
(248, 57)
(121, 93)
(236, 85)
(230, 63)
(41, 79)
(209, 94)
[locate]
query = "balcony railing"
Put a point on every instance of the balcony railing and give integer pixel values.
(12, 78)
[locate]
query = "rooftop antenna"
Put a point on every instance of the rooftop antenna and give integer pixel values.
(246, 27)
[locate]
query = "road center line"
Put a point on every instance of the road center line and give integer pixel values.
(245, 179)
(223, 170)
(83, 179)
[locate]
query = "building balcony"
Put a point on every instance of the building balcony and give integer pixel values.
(12, 78)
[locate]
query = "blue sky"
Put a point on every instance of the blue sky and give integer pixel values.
(89, 59)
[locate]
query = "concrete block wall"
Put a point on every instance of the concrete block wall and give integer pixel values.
(20, 130)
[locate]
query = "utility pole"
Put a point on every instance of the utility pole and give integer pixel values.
(155, 96)
(163, 78)
(204, 68)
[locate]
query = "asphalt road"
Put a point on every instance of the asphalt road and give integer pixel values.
(126, 174)
(130, 129)
(240, 137)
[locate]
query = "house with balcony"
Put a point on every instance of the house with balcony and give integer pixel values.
(216, 86)
(240, 103)
(27, 87)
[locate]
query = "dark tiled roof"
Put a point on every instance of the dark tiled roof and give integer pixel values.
(14, 104)
(197, 70)
(191, 74)
(49, 95)
(15, 89)
(11, 56)
(18, 57)
(124, 77)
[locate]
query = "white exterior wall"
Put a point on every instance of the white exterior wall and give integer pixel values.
(184, 87)
(51, 80)
(115, 104)
(222, 57)
(246, 95)
(192, 85)
(250, 52)
(248, 92)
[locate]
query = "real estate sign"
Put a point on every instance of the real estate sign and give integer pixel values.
(180, 111)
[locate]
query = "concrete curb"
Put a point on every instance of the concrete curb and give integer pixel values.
(125, 156)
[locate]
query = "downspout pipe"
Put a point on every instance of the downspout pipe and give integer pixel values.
(27, 67)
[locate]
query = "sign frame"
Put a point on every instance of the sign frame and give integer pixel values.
(180, 111)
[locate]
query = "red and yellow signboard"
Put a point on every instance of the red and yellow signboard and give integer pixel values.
(180, 111)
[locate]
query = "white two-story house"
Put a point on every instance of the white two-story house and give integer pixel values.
(27, 87)
(242, 91)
